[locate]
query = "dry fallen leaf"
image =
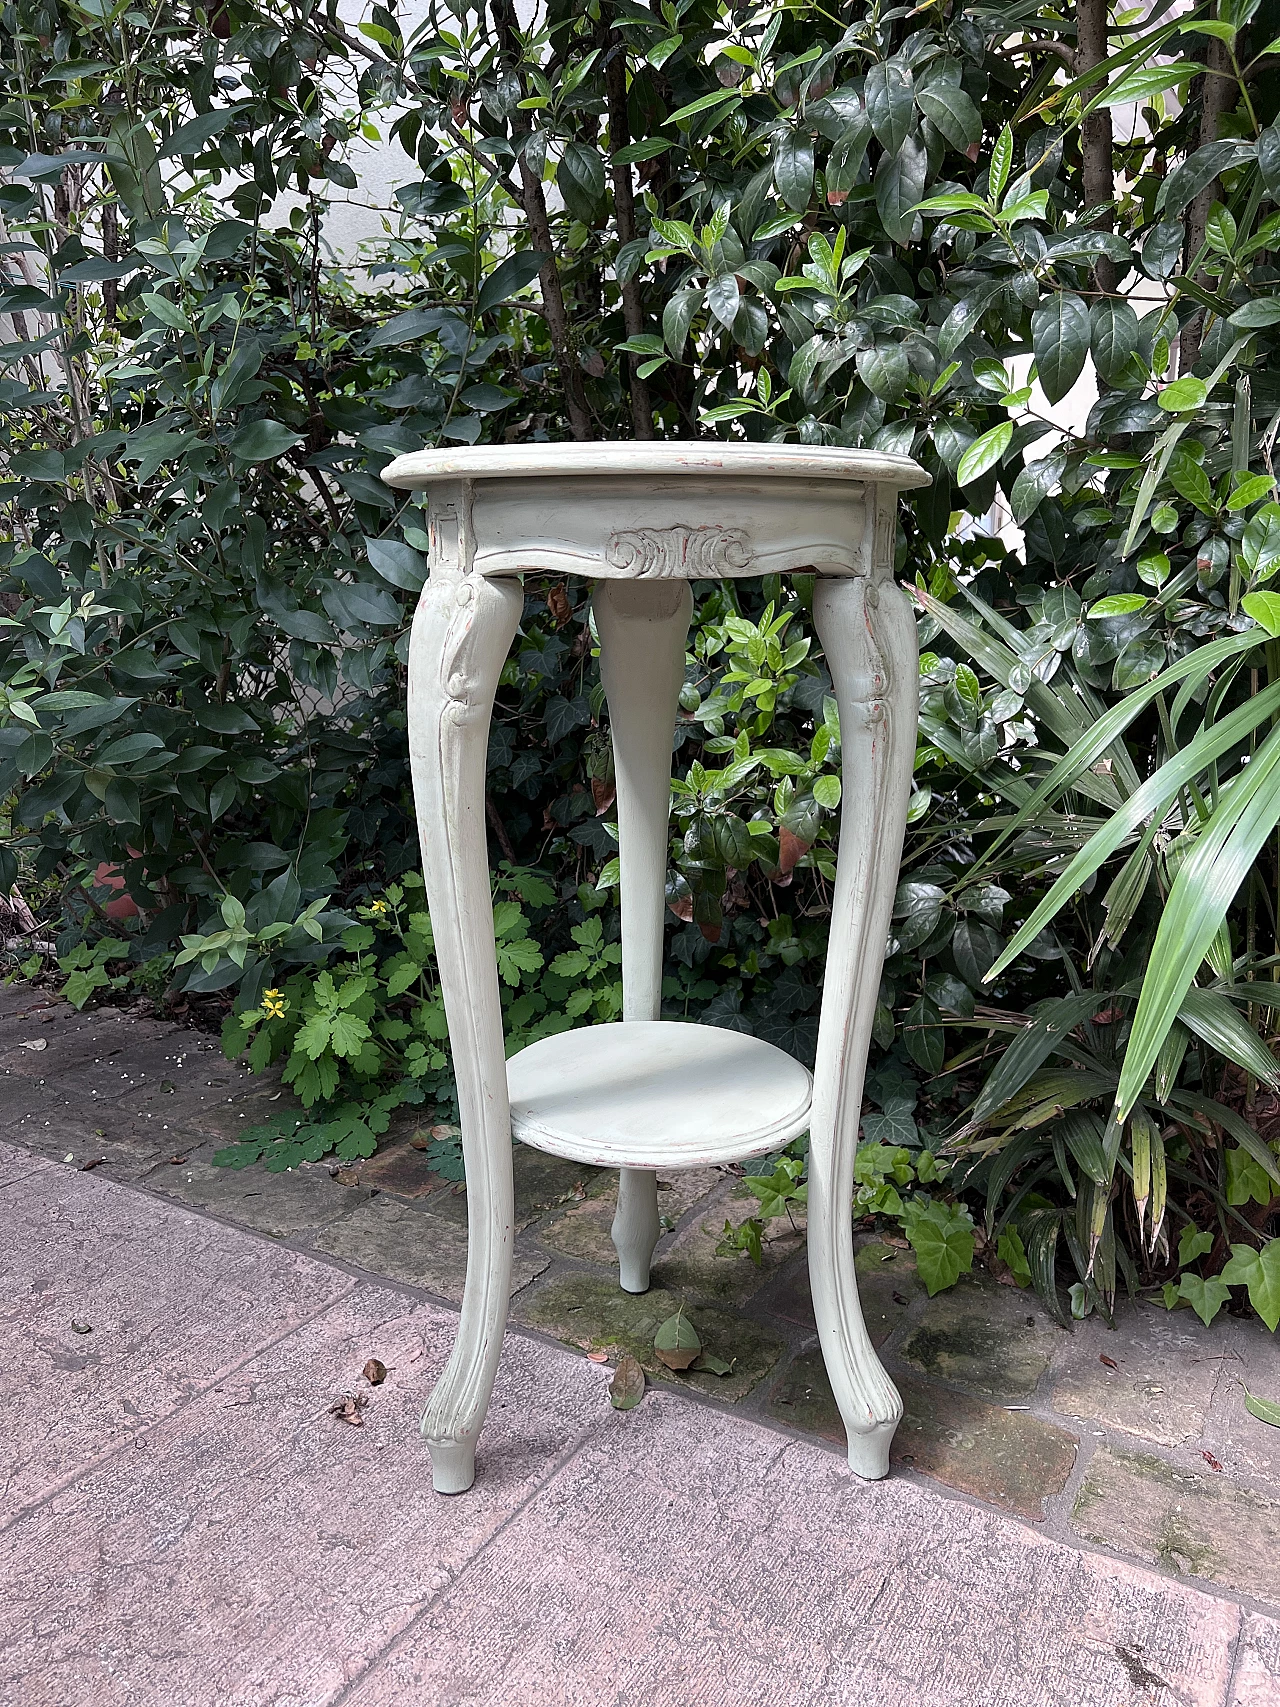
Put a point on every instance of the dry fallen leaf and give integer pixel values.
(93, 1162)
(627, 1387)
(375, 1372)
(346, 1176)
(1210, 1460)
(597, 1356)
(1109, 1361)
(420, 1140)
(81, 1327)
(176, 1161)
(558, 605)
(676, 1342)
(348, 1409)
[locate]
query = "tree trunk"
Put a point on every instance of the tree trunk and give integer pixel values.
(1216, 98)
(1095, 131)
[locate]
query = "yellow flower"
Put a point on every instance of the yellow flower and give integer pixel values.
(379, 908)
(274, 1004)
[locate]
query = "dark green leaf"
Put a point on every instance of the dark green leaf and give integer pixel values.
(1060, 338)
(889, 96)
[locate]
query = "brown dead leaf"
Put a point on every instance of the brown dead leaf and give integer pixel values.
(1210, 1460)
(346, 1176)
(375, 1372)
(593, 363)
(790, 850)
(597, 1356)
(445, 1131)
(349, 1408)
(558, 605)
(604, 791)
(682, 907)
(1109, 1361)
(93, 1162)
(627, 1387)
(176, 1161)
(420, 1140)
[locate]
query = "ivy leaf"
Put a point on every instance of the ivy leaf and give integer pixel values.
(1060, 338)
(1206, 1297)
(1259, 1271)
(941, 1235)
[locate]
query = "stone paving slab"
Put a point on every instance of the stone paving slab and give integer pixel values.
(1003, 1405)
(1190, 1520)
(1160, 1380)
(416, 1246)
(1004, 1456)
(254, 1549)
(114, 1312)
(683, 1559)
(17, 1164)
(1257, 1679)
(232, 1544)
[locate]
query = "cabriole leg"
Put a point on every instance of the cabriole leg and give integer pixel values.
(461, 635)
(869, 639)
(642, 627)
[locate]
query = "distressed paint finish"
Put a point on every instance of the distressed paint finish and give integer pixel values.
(642, 633)
(462, 632)
(641, 522)
(868, 635)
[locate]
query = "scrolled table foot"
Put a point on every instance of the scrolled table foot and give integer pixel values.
(453, 1463)
(869, 1452)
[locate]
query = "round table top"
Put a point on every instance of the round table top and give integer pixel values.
(654, 459)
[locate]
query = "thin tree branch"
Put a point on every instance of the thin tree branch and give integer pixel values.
(615, 74)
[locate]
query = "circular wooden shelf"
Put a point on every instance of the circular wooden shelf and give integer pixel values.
(657, 1093)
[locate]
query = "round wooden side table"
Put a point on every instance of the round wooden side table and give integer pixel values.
(642, 520)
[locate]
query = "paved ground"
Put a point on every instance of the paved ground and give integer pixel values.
(1075, 1519)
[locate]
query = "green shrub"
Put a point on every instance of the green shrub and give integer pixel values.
(852, 227)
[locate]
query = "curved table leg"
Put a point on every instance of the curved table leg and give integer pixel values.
(461, 635)
(642, 627)
(869, 638)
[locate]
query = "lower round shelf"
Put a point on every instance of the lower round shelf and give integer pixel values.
(656, 1093)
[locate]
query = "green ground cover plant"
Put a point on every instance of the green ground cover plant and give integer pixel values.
(850, 225)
